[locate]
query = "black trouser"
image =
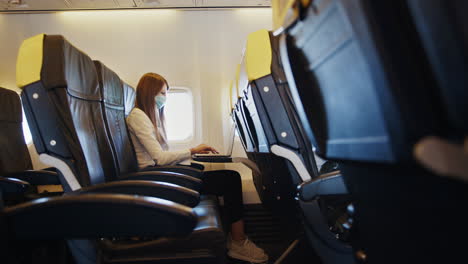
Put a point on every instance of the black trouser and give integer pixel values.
(226, 183)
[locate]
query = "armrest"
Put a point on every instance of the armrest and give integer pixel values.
(212, 159)
(178, 169)
(13, 186)
(50, 169)
(36, 177)
(163, 176)
(197, 166)
(162, 190)
(327, 184)
(98, 215)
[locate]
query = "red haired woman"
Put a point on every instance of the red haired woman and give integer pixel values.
(147, 129)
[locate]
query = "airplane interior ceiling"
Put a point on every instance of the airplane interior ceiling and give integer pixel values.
(64, 5)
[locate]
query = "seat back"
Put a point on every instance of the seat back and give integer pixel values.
(289, 141)
(383, 64)
(252, 125)
(62, 101)
(115, 95)
(252, 120)
(275, 191)
(238, 115)
(272, 108)
(238, 119)
(279, 150)
(14, 155)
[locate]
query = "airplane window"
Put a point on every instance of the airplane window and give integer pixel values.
(26, 131)
(179, 114)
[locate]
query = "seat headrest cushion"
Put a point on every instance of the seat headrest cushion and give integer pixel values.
(112, 86)
(61, 66)
(258, 55)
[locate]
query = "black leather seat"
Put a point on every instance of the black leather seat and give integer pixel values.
(53, 216)
(275, 187)
(15, 161)
(15, 156)
(20, 186)
(64, 108)
(241, 127)
(275, 191)
(369, 94)
(271, 110)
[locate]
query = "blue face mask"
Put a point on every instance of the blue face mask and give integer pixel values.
(160, 101)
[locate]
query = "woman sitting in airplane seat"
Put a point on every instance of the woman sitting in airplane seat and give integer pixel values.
(147, 129)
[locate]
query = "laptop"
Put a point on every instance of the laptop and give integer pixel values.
(229, 151)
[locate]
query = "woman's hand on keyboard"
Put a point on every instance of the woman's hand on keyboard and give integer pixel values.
(203, 149)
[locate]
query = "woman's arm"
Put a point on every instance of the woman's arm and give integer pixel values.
(141, 126)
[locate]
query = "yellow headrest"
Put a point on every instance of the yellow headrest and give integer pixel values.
(258, 55)
(286, 12)
(280, 12)
(29, 62)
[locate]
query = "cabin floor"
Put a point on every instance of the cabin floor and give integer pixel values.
(263, 229)
(301, 254)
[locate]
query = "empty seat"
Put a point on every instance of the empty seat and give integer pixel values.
(290, 139)
(67, 217)
(275, 190)
(15, 161)
(15, 156)
(238, 115)
(19, 184)
(269, 91)
(64, 103)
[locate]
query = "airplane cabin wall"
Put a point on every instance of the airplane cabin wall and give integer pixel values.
(194, 49)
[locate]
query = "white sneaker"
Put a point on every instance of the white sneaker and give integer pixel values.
(246, 250)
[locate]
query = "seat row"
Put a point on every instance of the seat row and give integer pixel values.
(269, 126)
(76, 111)
(363, 84)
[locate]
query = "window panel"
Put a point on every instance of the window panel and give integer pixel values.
(26, 131)
(179, 115)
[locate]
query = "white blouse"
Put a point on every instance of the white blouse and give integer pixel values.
(147, 148)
